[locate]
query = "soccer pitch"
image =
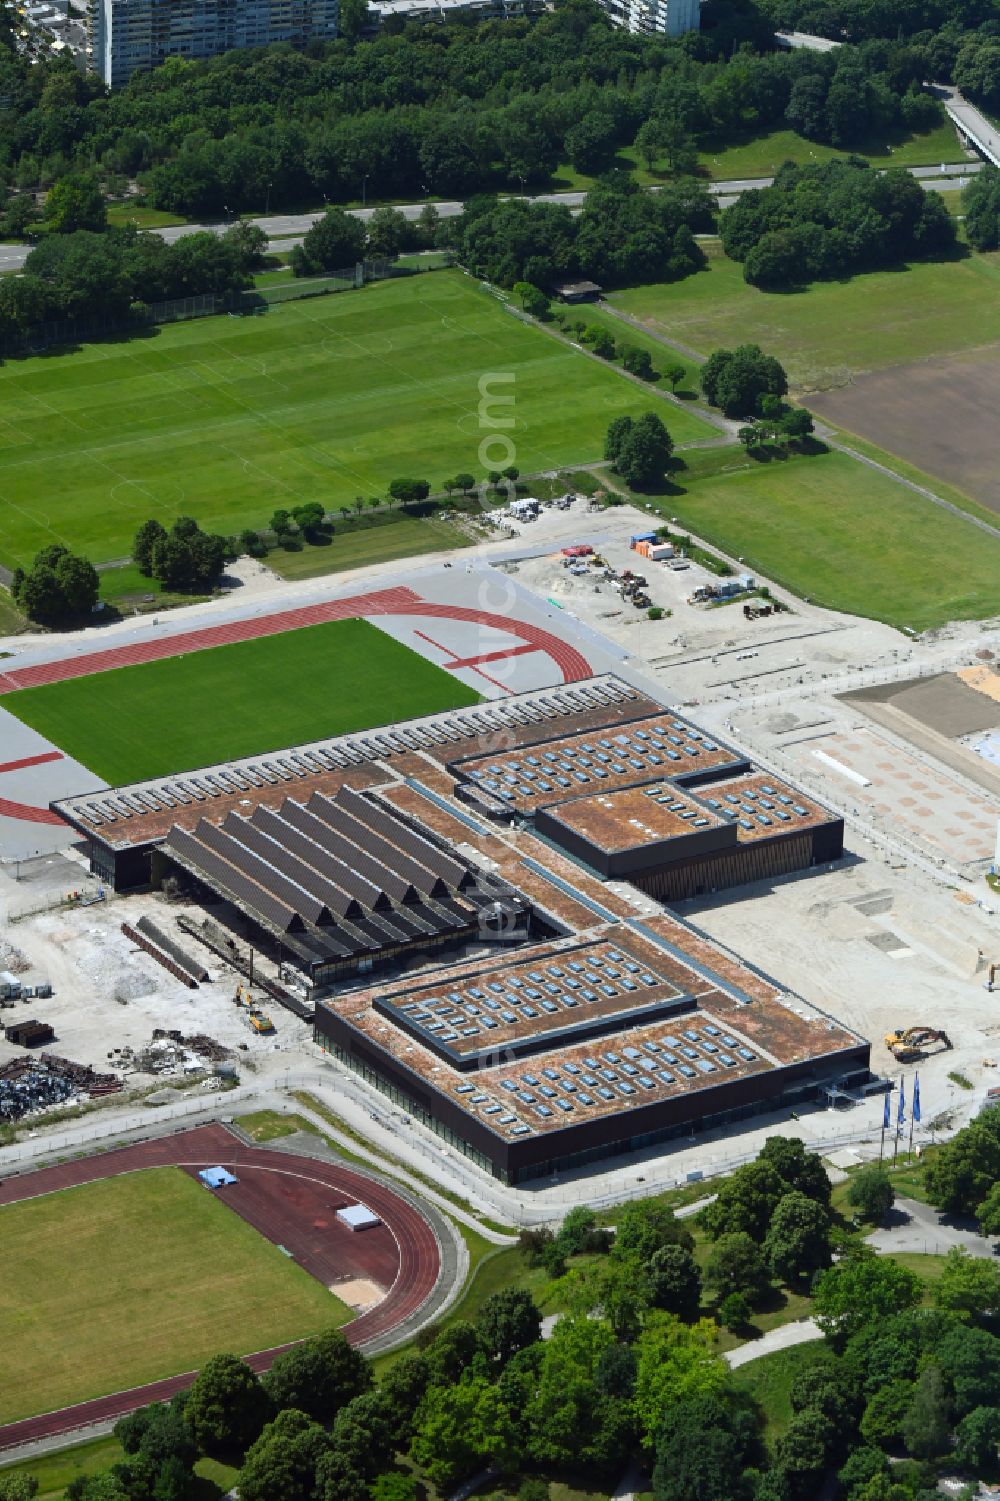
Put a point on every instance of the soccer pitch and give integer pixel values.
(225, 419)
(239, 700)
(135, 1278)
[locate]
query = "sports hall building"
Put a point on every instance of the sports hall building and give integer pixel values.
(440, 891)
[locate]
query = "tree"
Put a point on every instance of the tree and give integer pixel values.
(249, 244)
(675, 374)
(737, 379)
(507, 1322)
(968, 1284)
(159, 1432)
(281, 1464)
(570, 1392)
(644, 1227)
(804, 1449)
(533, 299)
(465, 482)
(803, 1171)
(318, 1377)
(981, 202)
(75, 202)
(734, 1311)
(797, 424)
(226, 1407)
(401, 1390)
(334, 243)
(57, 587)
(394, 1486)
(409, 490)
(310, 518)
(579, 1232)
(675, 1362)
(700, 1452)
(988, 1213)
(862, 1289)
(675, 1282)
(797, 1243)
(600, 341)
(281, 523)
(638, 362)
(144, 543)
(977, 1440)
(458, 1428)
(389, 232)
(451, 1353)
(643, 455)
(871, 1193)
(15, 1486)
(736, 1265)
(364, 1435)
(962, 1171)
(746, 1201)
(925, 1427)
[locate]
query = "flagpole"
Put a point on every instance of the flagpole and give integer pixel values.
(912, 1119)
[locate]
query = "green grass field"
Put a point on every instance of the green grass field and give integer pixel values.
(832, 529)
(834, 330)
(226, 418)
(393, 534)
(237, 700)
(134, 1278)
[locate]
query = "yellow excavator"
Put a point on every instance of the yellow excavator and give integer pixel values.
(915, 1042)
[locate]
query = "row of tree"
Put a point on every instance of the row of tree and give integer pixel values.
(450, 110)
(621, 235)
(833, 219)
(115, 274)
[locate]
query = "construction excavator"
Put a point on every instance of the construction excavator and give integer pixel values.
(915, 1042)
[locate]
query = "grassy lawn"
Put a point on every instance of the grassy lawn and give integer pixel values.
(770, 1379)
(392, 534)
(226, 418)
(127, 590)
(120, 215)
(834, 330)
(238, 700)
(762, 155)
(841, 534)
(12, 622)
(131, 1279)
(267, 1125)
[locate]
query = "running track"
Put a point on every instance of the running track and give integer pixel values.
(207, 1146)
(397, 601)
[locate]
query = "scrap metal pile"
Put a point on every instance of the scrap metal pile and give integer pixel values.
(30, 1084)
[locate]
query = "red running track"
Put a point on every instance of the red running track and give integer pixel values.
(399, 601)
(418, 1259)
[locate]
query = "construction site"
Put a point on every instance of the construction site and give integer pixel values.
(828, 841)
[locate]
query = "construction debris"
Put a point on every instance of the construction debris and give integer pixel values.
(171, 1052)
(28, 1085)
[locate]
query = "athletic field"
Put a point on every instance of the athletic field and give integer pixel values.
(225, 419)
(833, 330)
(238, 700)
(129, 1279)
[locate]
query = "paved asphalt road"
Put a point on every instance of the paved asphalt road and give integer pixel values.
(286, 230)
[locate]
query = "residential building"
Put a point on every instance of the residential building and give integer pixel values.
(666, 17)
(129, 36)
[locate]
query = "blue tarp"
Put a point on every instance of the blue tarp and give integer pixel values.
(216, 1177)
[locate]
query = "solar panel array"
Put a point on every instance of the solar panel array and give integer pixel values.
(561, 988)
(622, 1075)
(662, 745)
(107, 810)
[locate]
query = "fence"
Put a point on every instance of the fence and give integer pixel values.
(44, 336)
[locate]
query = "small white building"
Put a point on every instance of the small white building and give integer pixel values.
(358, 1217)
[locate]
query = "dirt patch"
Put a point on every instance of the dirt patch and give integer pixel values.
(357, 1292)
(938, 414)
